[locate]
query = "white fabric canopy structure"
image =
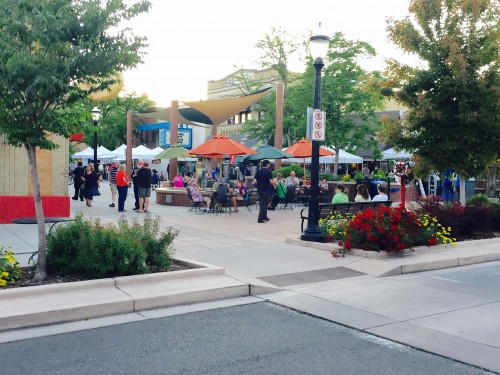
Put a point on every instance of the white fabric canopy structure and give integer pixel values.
(139, 152)
(120, 150)
(157, 150)
(104, 153)
(344, 158)
(392, 154)
(88, 153)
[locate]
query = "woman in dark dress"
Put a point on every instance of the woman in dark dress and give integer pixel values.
(91, 184)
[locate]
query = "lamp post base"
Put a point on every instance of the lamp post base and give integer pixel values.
(313, 234)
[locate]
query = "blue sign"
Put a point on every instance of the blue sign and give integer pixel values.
(185, 136)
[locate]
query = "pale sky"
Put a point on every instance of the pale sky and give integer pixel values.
(194, 41)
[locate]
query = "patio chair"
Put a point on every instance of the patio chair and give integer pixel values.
(249, 195)
(195, 206)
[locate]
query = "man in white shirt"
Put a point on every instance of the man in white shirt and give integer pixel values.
(292, 180)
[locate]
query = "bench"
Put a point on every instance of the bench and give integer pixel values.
(326, 209)
(48, 220)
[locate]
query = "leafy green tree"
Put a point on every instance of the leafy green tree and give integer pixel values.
(349, 96)
(277, 48)
(453, 95)
(46, 48)
(112, 127)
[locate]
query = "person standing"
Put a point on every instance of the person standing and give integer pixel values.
(122, 187)
(78, 180)
(136, 184)
(265, 184)
(91, 184)
(144, 184)
(112, 182)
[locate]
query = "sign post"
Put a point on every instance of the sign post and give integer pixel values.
(318, 128)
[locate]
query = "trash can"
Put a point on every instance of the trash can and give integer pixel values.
(470, 188)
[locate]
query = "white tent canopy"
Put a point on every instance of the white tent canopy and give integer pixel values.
(104, 153)
(157, 150)
(344, 158)
(88, 153)
(392, 154)
(139, 152)
(120, 150)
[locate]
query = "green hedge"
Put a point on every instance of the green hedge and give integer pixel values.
(89, 248)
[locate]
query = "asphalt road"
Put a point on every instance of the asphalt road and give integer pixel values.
(259, 338)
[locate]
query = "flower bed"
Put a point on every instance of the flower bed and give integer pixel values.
(385, 229)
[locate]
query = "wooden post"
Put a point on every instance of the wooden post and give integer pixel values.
(174, 138)
(128, 152)
(278, 130)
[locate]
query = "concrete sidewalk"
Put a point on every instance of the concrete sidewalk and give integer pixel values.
(436, 311)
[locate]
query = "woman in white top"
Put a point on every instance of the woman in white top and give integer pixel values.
(362, 194)
(381, 196)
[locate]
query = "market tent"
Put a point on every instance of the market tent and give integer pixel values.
(344, 158)
(88, 153)
(139, 152)
(158, 149)
(120, 150)
(104, 153)
(391, 154)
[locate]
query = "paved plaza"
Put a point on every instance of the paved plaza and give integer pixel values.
(452, 312)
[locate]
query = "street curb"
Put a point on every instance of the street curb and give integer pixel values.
(57, 303)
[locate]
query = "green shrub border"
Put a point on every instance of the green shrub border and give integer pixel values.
(89, 248)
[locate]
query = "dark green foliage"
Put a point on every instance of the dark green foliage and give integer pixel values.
(285, 171)
(88, 248)
(478, 200)
(453, 95)
(469, 222)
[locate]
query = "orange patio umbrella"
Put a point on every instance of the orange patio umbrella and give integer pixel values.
(303, 149)
(220, 145)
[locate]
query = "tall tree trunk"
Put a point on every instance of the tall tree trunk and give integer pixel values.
(41, 265)
(491, 181)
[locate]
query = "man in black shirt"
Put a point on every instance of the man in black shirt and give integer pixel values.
(144, 182)
(78, 181)
(265, 183)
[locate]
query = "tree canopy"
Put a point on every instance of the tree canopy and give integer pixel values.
(48, 47)
(453, 95)
(112, 126)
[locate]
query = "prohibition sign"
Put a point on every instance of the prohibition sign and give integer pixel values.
(318, 125)
(318, 134)
(318, 116)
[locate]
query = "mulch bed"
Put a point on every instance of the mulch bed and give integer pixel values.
(27, 279)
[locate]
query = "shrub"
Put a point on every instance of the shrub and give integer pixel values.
(472, 221)
(478, 200)
(285, 171)
(9, 267)
(394, 229)
(89, 248)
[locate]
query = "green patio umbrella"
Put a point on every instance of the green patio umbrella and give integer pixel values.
(267, 152)
(174, 151)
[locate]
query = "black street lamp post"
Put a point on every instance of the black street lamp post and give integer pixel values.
(319, 46)
(96, 115)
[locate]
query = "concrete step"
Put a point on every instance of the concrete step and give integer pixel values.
(56, 303)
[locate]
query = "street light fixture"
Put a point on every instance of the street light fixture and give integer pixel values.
(96, 115)
(319, 44)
